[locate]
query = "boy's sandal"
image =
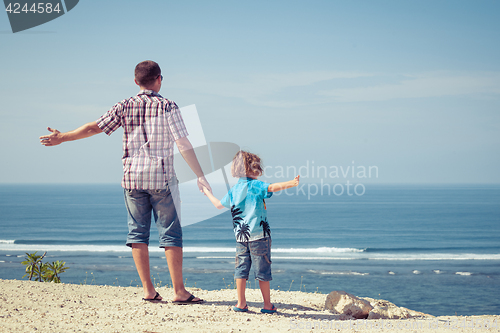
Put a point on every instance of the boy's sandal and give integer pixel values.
(273, 310)
(245, 309)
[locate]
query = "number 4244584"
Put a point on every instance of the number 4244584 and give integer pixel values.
(36, 8)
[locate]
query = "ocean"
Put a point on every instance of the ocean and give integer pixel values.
(430, 248)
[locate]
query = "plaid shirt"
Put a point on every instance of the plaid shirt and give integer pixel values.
(150, 124)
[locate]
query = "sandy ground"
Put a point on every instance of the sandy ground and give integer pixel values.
(28, 306)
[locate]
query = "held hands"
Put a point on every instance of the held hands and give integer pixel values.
(206, 190)
(53, 139)
(203, 185)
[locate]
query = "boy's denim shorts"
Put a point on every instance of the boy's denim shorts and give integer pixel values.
(140, 204)
(258, 252)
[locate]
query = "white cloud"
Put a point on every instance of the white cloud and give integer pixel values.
(277, 89)
(421, 86)
(262, 88)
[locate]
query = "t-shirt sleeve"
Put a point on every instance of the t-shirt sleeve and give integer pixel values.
(176, 123)
(226, 201)
(111, 120)
(263, 186)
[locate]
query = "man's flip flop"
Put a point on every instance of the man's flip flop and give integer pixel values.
(273, 310)
(189, 301)
(157, 298)
(245, 309)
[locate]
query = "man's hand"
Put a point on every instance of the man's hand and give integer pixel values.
(81, 132)
(202, 184)
(53, 139)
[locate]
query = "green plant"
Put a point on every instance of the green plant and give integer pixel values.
(54, 269)
(47, 272)
(34, 266)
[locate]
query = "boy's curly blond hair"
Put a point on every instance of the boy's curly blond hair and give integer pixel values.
(246, 164)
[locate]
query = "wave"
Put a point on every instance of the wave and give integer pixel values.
(320, 253)
(372, 251)
(27, 246)
(64, 248)
(337, 273)
(437, 257)
(429, 249)
(319, 250)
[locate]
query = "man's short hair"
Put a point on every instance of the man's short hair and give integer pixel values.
(246, 164)
(146, 73)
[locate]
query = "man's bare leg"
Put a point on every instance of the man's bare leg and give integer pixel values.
(140, 253)
(174, 261)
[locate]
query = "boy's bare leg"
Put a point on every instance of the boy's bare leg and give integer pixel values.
(174, 262)
(265, 289)
(140, 253)
(241, 285)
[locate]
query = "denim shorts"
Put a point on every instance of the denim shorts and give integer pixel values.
(258, 252)
(162, 203)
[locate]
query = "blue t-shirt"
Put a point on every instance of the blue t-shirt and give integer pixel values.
(246, 201)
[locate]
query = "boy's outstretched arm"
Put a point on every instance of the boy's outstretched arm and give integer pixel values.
(214, 200)
(275, 187)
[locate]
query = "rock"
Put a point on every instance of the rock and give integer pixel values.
(347, 304)
(387, 310)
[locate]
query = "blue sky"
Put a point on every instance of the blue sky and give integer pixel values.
(411, 87)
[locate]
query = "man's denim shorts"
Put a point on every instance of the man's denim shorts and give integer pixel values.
(258, 252)
(140, 204)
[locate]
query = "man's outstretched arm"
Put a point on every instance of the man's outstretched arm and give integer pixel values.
(187, 152)
(82, 132)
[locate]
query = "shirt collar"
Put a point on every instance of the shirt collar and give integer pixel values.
(245, 179)
(148, 92)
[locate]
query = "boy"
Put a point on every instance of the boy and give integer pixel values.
(251, 228)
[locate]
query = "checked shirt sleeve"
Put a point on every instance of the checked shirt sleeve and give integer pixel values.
(111, 120)
(176, 123)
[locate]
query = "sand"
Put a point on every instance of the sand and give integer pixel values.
(29, 306)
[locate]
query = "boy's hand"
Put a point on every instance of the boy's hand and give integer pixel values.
(214, 200)
(205, 190)
(276, 187)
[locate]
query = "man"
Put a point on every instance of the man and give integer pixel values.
(151, 125)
